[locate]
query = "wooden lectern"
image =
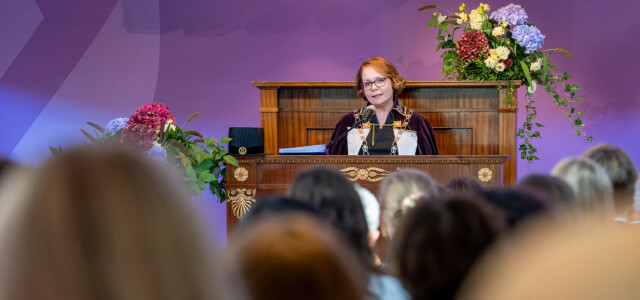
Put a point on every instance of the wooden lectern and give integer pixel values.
(475, 132)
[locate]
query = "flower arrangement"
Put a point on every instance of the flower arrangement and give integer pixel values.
(152, 129)
(503, 46)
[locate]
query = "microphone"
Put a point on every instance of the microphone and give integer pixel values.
(368, 113)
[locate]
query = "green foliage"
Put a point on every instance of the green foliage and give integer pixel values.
(532, 69)
(203, 159)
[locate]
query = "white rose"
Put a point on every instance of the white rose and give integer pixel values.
(502, 52)
(491, 61)
(532, 88)
(493, 53)
(535, 66)
(498, 31)
(476, 25)
(499, 67)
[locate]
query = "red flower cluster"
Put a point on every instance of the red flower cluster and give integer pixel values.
(151, 114)
(471, 45)
(139, 136)
(507, 63)
(141, 129)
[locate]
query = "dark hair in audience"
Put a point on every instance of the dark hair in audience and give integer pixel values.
(335, 196)
(517, 206)
(103, 223)
(467, 185)
(297, 257)
(620, 169)
(554, 190)
(276, 206)
(5, 165)
(439, 241)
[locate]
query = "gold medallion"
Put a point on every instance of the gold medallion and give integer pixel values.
(485, 174)
(242, 150)
(241, 174)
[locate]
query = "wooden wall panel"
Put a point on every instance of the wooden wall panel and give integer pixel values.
(454, 141)
(317, 136)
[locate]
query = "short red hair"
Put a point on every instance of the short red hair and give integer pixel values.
(385, 68)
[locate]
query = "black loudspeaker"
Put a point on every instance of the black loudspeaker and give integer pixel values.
(246, 140)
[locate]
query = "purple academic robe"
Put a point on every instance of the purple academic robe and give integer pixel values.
(417, 123)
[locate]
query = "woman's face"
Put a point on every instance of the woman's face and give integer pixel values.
(379, 96)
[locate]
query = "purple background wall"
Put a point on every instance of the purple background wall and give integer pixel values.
(66, 62)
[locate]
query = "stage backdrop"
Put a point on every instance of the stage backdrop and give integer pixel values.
(66, 62)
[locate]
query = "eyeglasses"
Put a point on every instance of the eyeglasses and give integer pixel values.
(367, 85)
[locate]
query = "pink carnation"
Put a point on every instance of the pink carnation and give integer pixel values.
(471, 45)
(152, 115)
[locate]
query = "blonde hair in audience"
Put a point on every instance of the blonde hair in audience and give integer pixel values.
(590, 184)
(399, 193)
(558, 260)
(105, 224)
(621, 170)
(297, 257)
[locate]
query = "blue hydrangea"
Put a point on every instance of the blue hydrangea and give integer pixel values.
(528, 36)
(158, 153)
(116, 124)
(513, 14)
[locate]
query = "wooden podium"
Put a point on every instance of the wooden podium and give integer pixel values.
(474, 129)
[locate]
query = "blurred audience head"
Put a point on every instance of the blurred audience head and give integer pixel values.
(5, 165)
(439, 241)
(559, 261)
(554, 190)
(106, 224)
(371, 212)
(276, 206)
(621, 171)
(590, 184)
(297, 257)
(399, 193)
(335, 196)
(516, 206)
(466, 185)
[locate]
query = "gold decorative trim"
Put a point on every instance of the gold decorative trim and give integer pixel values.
(384, 161)
(485, 174)
(241, 201)
(242, 150)
(241, 174)
(369, 174)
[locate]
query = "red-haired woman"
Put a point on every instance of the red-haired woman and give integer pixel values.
(394, 129)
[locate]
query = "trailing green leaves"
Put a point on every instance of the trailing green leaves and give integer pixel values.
(496, 55)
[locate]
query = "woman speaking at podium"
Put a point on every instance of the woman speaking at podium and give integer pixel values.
(392, 129)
